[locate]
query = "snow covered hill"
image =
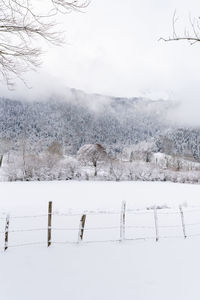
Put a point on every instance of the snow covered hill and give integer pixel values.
(77, 118)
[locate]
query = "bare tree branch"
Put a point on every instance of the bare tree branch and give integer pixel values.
(192, 35)
(22, 23)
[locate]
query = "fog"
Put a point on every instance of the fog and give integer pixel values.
(114, 49)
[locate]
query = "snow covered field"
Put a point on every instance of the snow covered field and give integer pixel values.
(138, 269)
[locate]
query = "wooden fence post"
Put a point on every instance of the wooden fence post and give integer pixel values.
(182, 221)
(81, 228)
(122, 221)
(156, 223)
(49, 223)
(6, 232)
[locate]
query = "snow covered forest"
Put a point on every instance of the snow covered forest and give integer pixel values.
(93, 137)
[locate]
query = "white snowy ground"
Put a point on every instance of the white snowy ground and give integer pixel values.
(138, 269)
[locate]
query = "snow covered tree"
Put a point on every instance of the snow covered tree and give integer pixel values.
(141, 151)
(55, 149)
(5, 147)
(94, 154)
(117, 169)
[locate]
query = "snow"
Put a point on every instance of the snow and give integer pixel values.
(32, 197)
(138, 269)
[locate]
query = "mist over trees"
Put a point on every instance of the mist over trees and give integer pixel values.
(74, 123)
(82, 136)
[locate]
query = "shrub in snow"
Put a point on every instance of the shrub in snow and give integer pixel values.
(117, 169)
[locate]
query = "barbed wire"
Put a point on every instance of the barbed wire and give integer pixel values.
(24, 230)
(26, 244)
(146, 210)
(98, 228)
(145, 238)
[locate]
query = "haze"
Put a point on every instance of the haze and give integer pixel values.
(113, 49)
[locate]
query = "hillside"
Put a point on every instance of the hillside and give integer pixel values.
(79, 118)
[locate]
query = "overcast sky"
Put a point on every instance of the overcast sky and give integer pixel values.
(113, 49)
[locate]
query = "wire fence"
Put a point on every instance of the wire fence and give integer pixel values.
(152, 223)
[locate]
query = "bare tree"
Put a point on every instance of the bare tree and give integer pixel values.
(191, 34)
(94, 154)
(55, 149)
(117, 169)
(22, 22)
(5, 147)
(54, 154)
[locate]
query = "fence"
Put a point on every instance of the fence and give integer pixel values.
(128, 222)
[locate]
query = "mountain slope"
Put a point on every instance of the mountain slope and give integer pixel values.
(78, 118)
